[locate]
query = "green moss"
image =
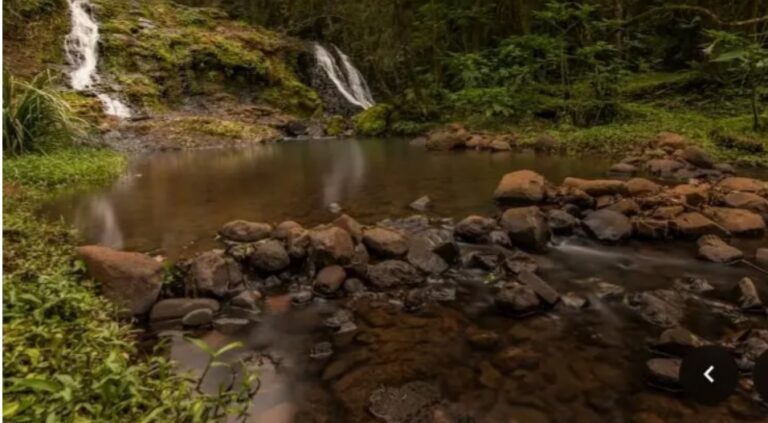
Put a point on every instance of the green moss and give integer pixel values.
(335, 126)
(82, 166)
(373, 121)
(222, 128)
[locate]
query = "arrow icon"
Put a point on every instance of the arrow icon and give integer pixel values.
(706, 374)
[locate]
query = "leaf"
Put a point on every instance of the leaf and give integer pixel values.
(36, 384)
(221, 364)
(199, 343)
(731, 56)
(229, 347)
(10, 409)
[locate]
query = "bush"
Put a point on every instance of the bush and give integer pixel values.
(373, 121)
(35, 117)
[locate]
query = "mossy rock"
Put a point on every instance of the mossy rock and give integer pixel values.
(373, 121)
(335, 126)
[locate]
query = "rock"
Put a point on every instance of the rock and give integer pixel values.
(244, 231)
(597, 187)
(500, 238)
(478, 142)
(301, 298)
(269, 256)
(573, 300)
(676, 342)
(623, 168)
(693, 284)
(359, 263)
(418, 142)
(546, 143)
(175, 308)
(475, 228)
(754, 343)
(648, 228)
(575, 197)
(354, 285)
(608, 291)
(431, 251)
(625, 206)
(385, 242)
(214, 273)
(130, 280)
(393, 273)
(520, 262)
(489, 376)
(698, 157)
(604, 201)
(608, 225)
(321, 351)
(641, 186)
(737, 221)
(662, 308)
(335, 208)
(561, 222)
(522, 187)
(693, 195)
(714, 249)
(664, 372)
(230, 325)
(670, 140)
(663, 167)
(761, 257)
(286, 230)
(247, 299)
(748, 298)
(421, 204)
(499, 145)
(332, 245)
(668, 212)
(527, 227)
(517, 299)
(540, 287)
(350, 225)
(298, 244)
(197, 318)
(295, 128)
(734, 183)
(748, 201)
(449, 138)
(329, 279)
(695, 225)
(401, 404)
(482, 339)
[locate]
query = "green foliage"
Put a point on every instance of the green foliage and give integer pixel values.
(81, 166)
(373, 121)
(335, 126)
(35, 118)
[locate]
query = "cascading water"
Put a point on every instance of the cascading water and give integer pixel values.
(82, 48)
(350, 83)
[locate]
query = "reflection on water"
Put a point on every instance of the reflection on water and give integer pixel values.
(175, 201)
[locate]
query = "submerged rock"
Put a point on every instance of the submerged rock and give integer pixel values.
(677, 342)
(393, 273)
(664, 373)
(748, 298)
(714, 249)
(475, 228)
(244, 231)
(527, 227)
(608, 225)
(401, 404)
(517, 299)
(269, 256)
(385, 243)
(130, 280)
(432, 251)
(522, 187)
(542, 289)
(662, 308)
(175, 308)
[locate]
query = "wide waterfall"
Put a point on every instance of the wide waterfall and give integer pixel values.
(82, 47)
(349, 81)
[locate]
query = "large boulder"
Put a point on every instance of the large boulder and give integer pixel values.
(527, 227)
(286, 230)
(475, 228)
(176, 308)
(748, 201)
(244, 231)
(608, 225)
(130, 280)
(350, 225)
(385, 242)
(642, 186)
(269, 256)
(735, 183)
(714, 249)
(694, 225)
(449, 138)
(392, 274)
(737, 221)
(649, 228)
(432, 250)
(332, 245)
(693, 195)
(597, 187)
(522, 187)
(698, 157)
(663, 167)
(213, 273)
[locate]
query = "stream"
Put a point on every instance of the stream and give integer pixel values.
(447, 362)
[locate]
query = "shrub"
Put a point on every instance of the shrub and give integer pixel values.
(373, 121)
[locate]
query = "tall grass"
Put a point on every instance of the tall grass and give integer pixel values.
(35, 118)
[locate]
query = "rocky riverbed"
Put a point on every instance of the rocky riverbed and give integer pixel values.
(479, 319)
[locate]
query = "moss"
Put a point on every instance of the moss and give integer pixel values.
(87, 107)
(223, 128)
(373, 121)
(33, 35)
(335, 126)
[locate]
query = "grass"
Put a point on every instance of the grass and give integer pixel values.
(66, 356)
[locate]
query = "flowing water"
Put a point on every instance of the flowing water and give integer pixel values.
(82, 47)
(349, 82)
(567, 365)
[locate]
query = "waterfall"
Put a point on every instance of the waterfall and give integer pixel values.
(82, 47)
(350, 83)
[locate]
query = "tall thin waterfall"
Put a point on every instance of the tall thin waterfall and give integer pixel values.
(349, 82)
(82, 47)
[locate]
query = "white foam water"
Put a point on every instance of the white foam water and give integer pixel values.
(350, 82)
(82, 47)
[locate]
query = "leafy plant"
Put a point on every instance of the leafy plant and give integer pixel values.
(34, 116)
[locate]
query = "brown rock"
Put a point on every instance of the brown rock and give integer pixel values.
(608, 225)
(546, 143)
(527, 227)
(475, 228)
(176, 308)
(452, 137)
(734, 183)
(214, 273)
(737, 221)
(698, 157)
(385, 242)
(649, 228)
(642, 186)
(499, 145)
(663, 167)
(521, 187)
(478, 142)
(597, 187)
(761, 257)
(514, 358)
(393, 273)
(623, 168)
(329, 279)
(539, 286)
(668, 212)
(332, 245)
(286, 229)
(244, 231)
(695, 225)
(748, 201)
(350, 225)
(693, 195)
(626, 206)
(670, 140)
(714, 249)
(748, 297)
(130, 280)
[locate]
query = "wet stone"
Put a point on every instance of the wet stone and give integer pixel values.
(482, 339)
(230, 325)
(676, 342)
(664, 373)
(542, 288)
(714, 249)
(321, 351)
(517, 299)
(301, 298)
(403, 403)
(662, 308)
(694, 285)
(748, 297)
(573, 300)
(199, 317)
